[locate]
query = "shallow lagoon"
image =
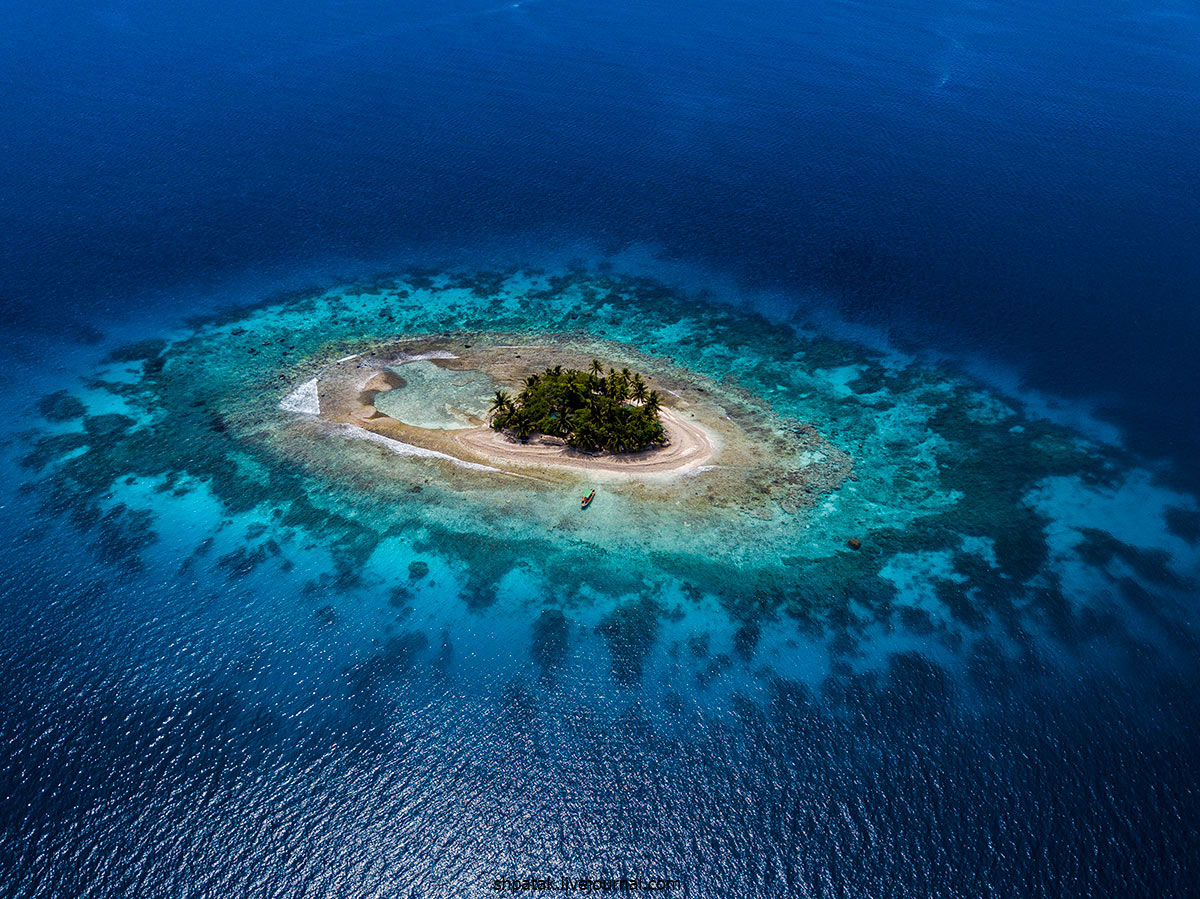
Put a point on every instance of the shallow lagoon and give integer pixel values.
(437, 398)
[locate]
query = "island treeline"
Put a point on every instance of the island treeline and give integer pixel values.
(588, 409)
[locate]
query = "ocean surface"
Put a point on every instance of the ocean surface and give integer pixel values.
(247, 656)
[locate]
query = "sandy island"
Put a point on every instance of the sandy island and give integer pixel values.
(346, 391)
(724, 450)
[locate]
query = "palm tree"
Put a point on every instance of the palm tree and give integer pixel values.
(523, 427)
(500, 402)
(597, 368)
(639, 389)
(558, 422)
(615, 387)
(653, 402)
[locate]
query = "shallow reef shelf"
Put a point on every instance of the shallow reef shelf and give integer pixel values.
(856, 498)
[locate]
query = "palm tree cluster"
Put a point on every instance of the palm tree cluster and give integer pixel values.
(588, 409)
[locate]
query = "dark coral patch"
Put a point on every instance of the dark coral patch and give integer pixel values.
(60, 406)
(1184, 523)
(630, 631)
(550, 635)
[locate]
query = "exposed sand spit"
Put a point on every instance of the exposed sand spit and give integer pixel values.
(304, 399)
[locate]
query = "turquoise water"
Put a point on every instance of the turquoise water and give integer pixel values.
(468, 678)
(975, 520)
(247, 653)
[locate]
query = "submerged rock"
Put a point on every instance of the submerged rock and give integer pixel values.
(61, 406)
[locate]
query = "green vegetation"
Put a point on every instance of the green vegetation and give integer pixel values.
(587, 409)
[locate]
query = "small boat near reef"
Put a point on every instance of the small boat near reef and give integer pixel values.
(587, 500)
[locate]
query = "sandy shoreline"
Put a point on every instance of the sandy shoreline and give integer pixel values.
(689, 446)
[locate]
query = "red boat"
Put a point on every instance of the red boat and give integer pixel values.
(587, 500)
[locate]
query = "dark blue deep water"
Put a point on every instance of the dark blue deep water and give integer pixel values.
(1014, 186)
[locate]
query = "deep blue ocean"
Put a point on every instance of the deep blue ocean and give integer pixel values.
(1012, 188)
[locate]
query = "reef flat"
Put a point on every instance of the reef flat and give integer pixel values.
(816, 496)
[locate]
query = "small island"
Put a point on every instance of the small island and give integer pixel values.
(588, 410)
(498, 404)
